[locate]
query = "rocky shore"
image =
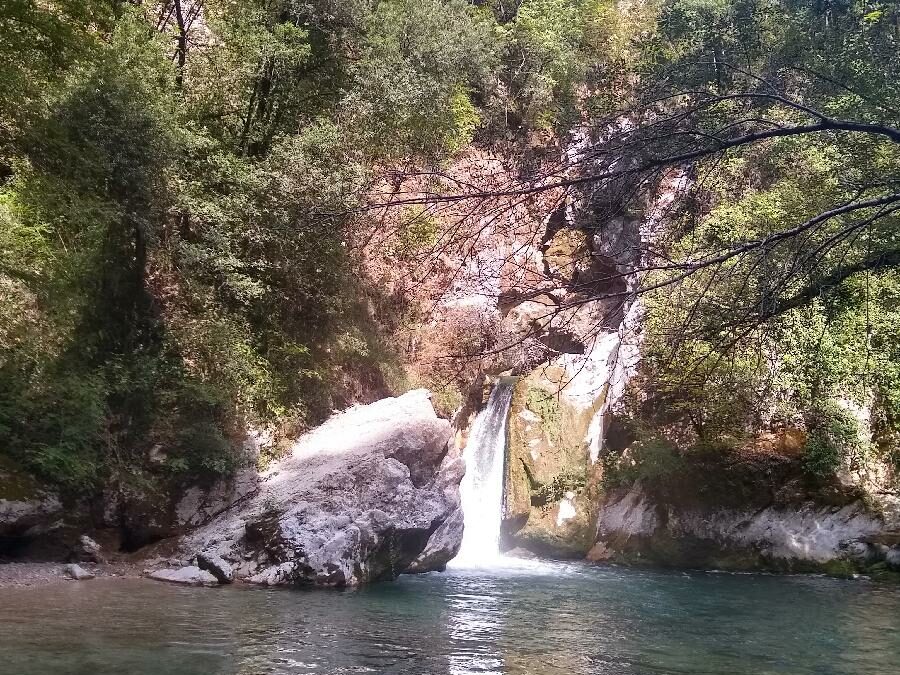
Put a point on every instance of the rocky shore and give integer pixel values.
(40, 574)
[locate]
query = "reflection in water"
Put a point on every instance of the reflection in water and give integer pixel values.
(476, 621)
(544, 619)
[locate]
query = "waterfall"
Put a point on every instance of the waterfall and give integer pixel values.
(482, 486)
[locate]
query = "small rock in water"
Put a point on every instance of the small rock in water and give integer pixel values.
(190, 576)
(216, 566)
(77, 572)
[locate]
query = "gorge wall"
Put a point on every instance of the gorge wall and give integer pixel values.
(547, 291)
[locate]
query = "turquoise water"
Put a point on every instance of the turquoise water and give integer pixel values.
(551, 620)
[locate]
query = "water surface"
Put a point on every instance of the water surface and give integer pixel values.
(545, 620)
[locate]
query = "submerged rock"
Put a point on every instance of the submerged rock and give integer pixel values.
(357, 500)
(189, 576)
(892, 558)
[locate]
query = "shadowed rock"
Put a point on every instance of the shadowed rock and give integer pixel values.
(213, 564)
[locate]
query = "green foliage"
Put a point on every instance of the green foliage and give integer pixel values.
(554, 490)
(418, 61)
(833, 436)
(547, 35)
(173, 249)
(40, 44)
(711, 375)
(416, 232)
(562, 58)
(647, 459)
(53, 426)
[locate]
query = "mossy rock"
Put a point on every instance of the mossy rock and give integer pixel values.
(547, 459)
(881, 572)
(570, 540)
(843, 569)
(567, 253)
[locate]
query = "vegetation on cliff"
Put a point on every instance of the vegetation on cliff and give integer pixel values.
(185, 208)
(178, 189)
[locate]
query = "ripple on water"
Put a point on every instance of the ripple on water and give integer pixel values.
(526, 618)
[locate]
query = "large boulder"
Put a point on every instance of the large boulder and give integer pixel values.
(357, 500)
(87, 550)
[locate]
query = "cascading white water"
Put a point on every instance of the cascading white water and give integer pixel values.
(482, 486)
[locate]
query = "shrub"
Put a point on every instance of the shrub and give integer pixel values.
(648, 459)
(834, 435)
(568, 480)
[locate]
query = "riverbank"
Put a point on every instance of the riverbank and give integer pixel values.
(29, 574)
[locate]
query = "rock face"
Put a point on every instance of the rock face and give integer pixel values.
(634, 527)
(444, 544)
(547, 506)
(146, 516)
(358, 500)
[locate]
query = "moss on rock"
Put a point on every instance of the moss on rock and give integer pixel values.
(552, 491)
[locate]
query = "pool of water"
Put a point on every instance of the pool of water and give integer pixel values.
(536, 620)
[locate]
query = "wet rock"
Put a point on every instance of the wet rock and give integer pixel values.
(860, 552)
(216, 566)
(77, 572)
(356, 501)
(189, 576)
(599, 553)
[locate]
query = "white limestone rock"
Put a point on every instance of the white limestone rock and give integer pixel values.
(357, 500)
(77, 572)
(188, 576)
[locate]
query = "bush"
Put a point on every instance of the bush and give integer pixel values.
(55, 427)
(553, 491)
(650, 459)
(834, 435)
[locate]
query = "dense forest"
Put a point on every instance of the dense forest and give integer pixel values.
(187, 189)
